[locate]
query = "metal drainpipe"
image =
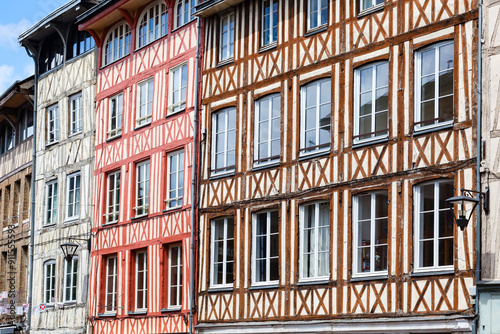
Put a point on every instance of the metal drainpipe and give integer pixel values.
(194, 172)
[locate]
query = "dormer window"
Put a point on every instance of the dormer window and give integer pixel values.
(153, 24)
(117, 43)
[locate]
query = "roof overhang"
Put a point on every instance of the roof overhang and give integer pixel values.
(17, 94)
(211, 7)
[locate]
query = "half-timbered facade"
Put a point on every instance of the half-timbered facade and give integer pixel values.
(140, 266)
(335, 130)
(65, 91)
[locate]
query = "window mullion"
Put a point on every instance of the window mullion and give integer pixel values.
(436, 85)
(224, 252)
(372, 232)
(269, 130)
(374, 80)
(226, 132)
(316, 239)
(318, 89)
(436, 224)
(268, 244)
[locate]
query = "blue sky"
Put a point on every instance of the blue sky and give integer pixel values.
(16, 17)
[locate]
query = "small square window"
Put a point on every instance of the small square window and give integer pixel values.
(367, 4)
(317, 13)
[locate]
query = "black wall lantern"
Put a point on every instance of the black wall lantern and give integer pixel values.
(69, 248)
(467, 197)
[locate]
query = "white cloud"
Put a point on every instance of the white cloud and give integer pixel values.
(29, 69)
(10, 32)
(6, 77)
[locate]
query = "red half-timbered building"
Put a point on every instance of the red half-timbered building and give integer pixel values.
(140, 268)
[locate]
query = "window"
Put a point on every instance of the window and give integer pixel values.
(178, 88)
(145, 102)
(49, 285)
(153, 24)
(80, 42)
(141, 281)
(227, 37)
(222, 252)
(367, 4)
(370, 220)
(224, 140)
(185, 10)
(265, 255)
(7, 138)
(73, 196)
(317, 13)
(117, 44)
(115, 116)
(314, 241)
(269, 22)
(142, 191)
(52, 53)
(175, 276)
(75, 111)
(434, 85)
(25, 128)
(111, 283)
(315, 117)
(70, 279)
(267, 129)
(113, 205)
(371, 102)
(51, 203)
(52, 124)
(433, 226)
(175, 179)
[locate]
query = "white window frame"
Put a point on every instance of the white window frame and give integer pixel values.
(269, 99)
(71, 279)
(158, 14)
(417, 226)
(144, 273)
(186, 6)
(119, 43)
(179, 175)
(272, 39)
(320, 24)
(225, 169)
(230, 18)
(110, 298)
(418, 87)
(73, 196)
(145, 118)
(142, 179)
(177, 89)
(374, 4)
(315, 257)
(75, 107)
(178, 278)
(356, 246)
(268, 256)
(53, 124)
(113, 188)
(49, 292)
(116, 131)
(224, 262)
(52, 202)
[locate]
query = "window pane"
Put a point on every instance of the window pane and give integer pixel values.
(428, 62)
(426, 253)
(446, 57)
(381, 258)
(446, 252)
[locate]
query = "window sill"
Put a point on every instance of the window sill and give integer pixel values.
(316, 30)
(142, 126)
(312, 155)
(221, 175)
(140, 312)
(225, 62)
(368, 11)
(182, 25)
(107, 315)
(171, 309)
(47, 144)
(71, 220)
(259, 167)
(268, 47)
(373, 277)
(264, 286)
(69, 304)
(47, 226)
(110, 139)
(374, 141)
(79, 132)
(432, 128)
(318, 282)
(174, 209)
(116, 60)
(221, 289)
(109, 224)
(140, 48)
(140, 217)
(176, 112)
(432, 273)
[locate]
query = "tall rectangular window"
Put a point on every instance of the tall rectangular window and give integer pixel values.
(49, 279)
(269, 22)
(115, 116)
(113, 198)
(223, 141)
(434, 85)
(178, 88)
(222, 242)
(367, 4)
(433, 226)
(314, 241)
(141, 280)
(51, 203)
(265, 255)
(70, 279)
(175, 276)
(315, 117)
(73, 196)
(142, 189)
(370, 226)
(227, 36)
(371, 102)
(111, 283)
(175, 180)
(145, 91)
(267, 129)
(52, 124)
(75, 112)
(317, 13)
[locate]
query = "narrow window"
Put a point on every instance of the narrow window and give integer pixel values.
(315, 117)
(269, 22)
(113, 198)
(73, 196)
(75, 111)
(115, 116)
(371, 102)
(267, 129)
(117, 43)
(314, 241)
(317, 13)
(175, 276)
(178, 88)
(185, 10)
(70, 279)
(434, 85)
(142, 191)
(52, 124)
(434, 226)
(111, 283)
(367, 4)
(224, 141)
(266, 248)
(370, 228)
(145, 92)
(51, 203)
(222, 251)
(175, 180)
(141, 281)
(49, 287)
(153, 24)
(227, 37)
